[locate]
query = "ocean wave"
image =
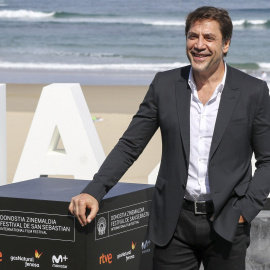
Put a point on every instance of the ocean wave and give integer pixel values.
(52, 52)
(244, 66)
(250, 22)
(252, 66)
(66, 17)
(264, 65)
(116, 67)
(100, 55)
(130, 67)
(76, 54)
(63, 17)
(165, 23)
(251, 9)
(11, 14)
(112, 18)
(131, 21)
(85, 67)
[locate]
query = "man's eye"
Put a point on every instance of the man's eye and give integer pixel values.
(210, 38)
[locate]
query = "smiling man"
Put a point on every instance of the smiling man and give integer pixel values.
(212, 119)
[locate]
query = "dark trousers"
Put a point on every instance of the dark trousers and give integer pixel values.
(195, 242)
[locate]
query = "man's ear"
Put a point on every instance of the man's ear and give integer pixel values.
(226, 46)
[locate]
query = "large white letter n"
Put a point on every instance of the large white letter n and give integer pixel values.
(62, 112)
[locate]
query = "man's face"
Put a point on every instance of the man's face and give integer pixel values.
(205, 47)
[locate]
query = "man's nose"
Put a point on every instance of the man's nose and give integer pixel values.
(200, 45)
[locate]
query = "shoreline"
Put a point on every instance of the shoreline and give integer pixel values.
(102, 78)
(99, 77)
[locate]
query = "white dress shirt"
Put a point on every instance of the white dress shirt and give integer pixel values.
(202, 123)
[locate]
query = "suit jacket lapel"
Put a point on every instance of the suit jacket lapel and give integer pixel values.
(183, 94)
(227, 104)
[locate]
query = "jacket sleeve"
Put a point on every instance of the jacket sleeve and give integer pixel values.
(129, 147)
(259, 188)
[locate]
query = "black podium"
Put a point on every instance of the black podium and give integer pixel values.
(38, 232)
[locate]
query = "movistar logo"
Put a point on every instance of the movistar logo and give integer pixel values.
(145, 244)
(59, 259)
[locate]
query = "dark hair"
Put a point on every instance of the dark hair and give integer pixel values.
(212, 13)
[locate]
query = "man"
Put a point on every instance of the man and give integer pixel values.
(212, 118)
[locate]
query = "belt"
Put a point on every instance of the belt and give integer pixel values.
(199, 207)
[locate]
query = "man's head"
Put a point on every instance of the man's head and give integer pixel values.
(208, 36)
(219, 15)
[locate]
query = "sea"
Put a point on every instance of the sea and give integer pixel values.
(118, 42)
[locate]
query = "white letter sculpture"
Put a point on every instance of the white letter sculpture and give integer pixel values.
(3, 136)
(62, 112)
(152, 177)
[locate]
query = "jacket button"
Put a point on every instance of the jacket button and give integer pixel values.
(183, 186)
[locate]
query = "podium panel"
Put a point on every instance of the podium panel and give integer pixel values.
(38, 232)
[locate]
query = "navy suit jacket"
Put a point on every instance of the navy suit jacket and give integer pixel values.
(242, 127)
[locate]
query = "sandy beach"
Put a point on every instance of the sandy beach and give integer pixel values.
(114, 104)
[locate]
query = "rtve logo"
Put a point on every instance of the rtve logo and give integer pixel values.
(105, 258)
(1, 256)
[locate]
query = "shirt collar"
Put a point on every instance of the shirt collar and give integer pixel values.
(219, 88)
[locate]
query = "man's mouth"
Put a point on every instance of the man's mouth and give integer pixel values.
(198, 55)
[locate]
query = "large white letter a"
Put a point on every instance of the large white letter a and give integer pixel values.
(61, 112)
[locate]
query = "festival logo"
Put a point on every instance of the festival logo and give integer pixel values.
(101, 226)
(37, 255)
(105, 258)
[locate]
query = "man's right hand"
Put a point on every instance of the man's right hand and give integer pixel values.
(80, 203)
